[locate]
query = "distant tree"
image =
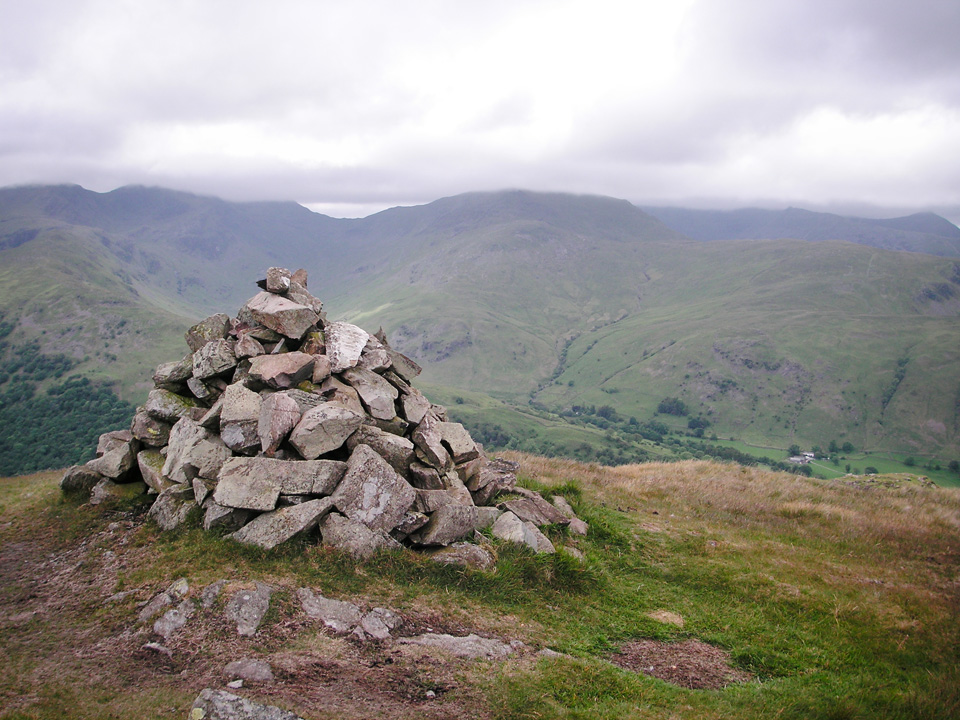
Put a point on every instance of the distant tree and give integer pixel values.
(847, 467)
(794, 449)
(607, 412)
(909, 462)
(833, 447)
(870, 470)
(847, 447)
(954, 466)
(672, 406)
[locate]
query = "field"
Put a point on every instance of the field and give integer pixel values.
(775, 595)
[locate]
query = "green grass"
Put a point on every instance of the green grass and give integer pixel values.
(838, 599)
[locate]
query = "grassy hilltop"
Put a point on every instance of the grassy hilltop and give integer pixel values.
(814, 599)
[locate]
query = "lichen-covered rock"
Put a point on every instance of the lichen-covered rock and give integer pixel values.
(214, 704)
(79, 480)
(215, 327)
(447, 524)
(240, 484)
(377, 395)
(168, 406)
(193, 452)
(396, 450)
(372, 492)
(345, 344)
(272, 528)
(284, 316)
(172, 506)
(354, 538)
(213, 359)
(151, 462)
(240, 419)
(148, 430)
(323, 429)
(279, 415)
(118, 461)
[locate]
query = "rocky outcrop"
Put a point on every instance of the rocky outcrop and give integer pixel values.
(279, 424)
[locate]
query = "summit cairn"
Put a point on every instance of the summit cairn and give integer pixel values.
(279, 423)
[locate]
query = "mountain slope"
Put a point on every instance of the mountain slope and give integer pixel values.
(556, 300)
(922, 232)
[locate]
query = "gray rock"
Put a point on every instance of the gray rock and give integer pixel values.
(172, 375)
(345, 343)
(321, 369)
(278, 280)
(425, 477)
(176, 592)
(202, 489)
(206, 390)
(380, 622)
(246, 608)
(148, 430)
(511, 528)
(415, 405)
(79, 479)
(240, 419)
(279, 414)
(108, 491)
(374, 356)
(167, 406)
(487, 516)
(535, 509)
(378, 395)
(427, 437)
(284, 316)
(339, 616)
(335, 391)
(112, 440)
(172, 506)
(447, 524)
(472, 646)
(304, 400)
(211, 592)
(248, 347)
(576, 526)
(241, 484)
(214, 358)
(215, 327)
(371, 492)
(193, 452)
(116, 462)
(172, 620)
(272, 528)
(354, 538)
(411, 522)
(465, 554)
(282, 371)
(299, 294)
(396, 450)
(221, 705)
(249, 670)
(429, 501)
(216, 515)
(458, 441)
(323, 429)
(496, 476)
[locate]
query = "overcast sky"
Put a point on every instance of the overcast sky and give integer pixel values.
(351, 107)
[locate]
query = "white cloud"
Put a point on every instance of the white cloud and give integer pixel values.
(372, 103)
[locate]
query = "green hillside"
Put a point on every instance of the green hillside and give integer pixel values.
(526, 305)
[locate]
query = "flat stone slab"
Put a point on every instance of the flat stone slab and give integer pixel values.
(511, 528)
(246, 608)
(465, 554)
(448, 523)
(249, 670)
(535, 510)
(168, 406)
(286, 370)
(220, 705)
(396, 450)
(279, 414)
(338, 615)
(207, 330)
(273, 528)
(242, 485)
(472, 646)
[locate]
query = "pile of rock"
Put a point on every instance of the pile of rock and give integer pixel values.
(279, 423)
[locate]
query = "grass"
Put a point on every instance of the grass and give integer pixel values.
(842, 601)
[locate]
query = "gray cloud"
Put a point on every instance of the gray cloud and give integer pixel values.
(372, 104)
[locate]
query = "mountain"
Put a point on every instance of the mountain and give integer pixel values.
(554, 305)
(922, 232)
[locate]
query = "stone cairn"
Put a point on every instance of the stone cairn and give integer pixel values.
(279, 423)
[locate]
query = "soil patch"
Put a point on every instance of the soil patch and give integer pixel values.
(690, 664)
